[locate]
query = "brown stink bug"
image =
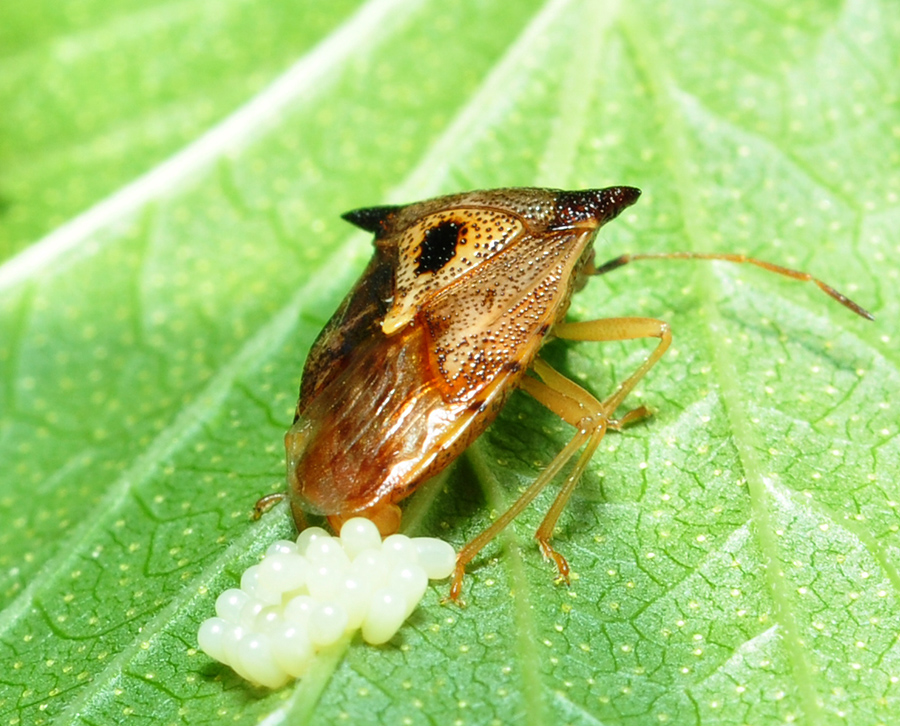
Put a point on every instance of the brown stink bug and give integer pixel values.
(446, 321)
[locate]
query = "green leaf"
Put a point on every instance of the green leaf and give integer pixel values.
(172, 179)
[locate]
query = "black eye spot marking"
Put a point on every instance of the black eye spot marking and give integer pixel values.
(438, 247)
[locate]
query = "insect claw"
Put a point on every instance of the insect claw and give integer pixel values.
(563, 566)
(456, 587)
(451, 600)
(561, 563)
(264, 504)
(636, 414)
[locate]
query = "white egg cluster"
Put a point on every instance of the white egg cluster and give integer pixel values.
(304, 596)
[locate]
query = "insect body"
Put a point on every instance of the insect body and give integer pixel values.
(445, 322)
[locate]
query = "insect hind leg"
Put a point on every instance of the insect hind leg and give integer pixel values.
(265, 503)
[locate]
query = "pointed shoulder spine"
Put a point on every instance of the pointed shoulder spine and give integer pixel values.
(371, 219)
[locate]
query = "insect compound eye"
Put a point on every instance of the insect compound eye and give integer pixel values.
(438, 246)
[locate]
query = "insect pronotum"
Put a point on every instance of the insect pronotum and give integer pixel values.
(444, 323)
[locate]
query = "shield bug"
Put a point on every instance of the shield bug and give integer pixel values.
(445, 322)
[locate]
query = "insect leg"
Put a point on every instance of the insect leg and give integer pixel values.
(592, 424)
(560, 383)
(579, 408)
(472, 548)
(264, 504)
(611, 329)
(741, 259)
(608, 329)
(633, 416)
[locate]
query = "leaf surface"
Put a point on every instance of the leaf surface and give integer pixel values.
(172, 180)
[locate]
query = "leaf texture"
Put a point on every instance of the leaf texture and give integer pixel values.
(171, 184)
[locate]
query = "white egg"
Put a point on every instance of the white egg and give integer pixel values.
(327, 623)
(252, 586)
(230, 603)
(359, 534)
(370, 568)
(282, 546)
(211, 637)
(410, 580)
(249, 579)
(298, 610)
(291, 648)
(233, 637)
(399, 549)
(310, 534)
(353, 595)
(268, 619)
(247, 618)
(387, 611)
(437, 558)
(327, 551)
(257, 659)
(282, 572)
(324, 580)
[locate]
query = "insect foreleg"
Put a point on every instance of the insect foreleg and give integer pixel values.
(592, 424)
(558, 384)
